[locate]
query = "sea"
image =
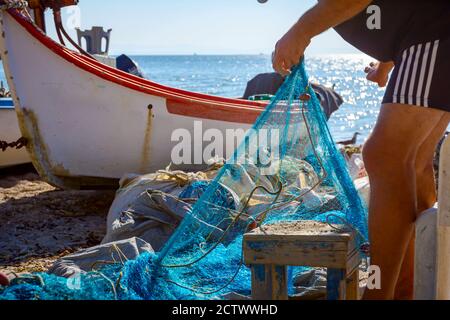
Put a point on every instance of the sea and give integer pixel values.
(227, 75)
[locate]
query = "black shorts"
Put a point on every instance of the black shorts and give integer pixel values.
(422, 76)
(415, 34)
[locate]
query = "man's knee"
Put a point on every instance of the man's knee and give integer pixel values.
(424, 164)
(424, 168)
(381, 156)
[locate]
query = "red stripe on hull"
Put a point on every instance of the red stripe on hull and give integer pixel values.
(213, 111)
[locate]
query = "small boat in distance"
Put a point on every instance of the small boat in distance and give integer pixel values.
(9, 131)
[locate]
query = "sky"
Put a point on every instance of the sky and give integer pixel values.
(197, 26)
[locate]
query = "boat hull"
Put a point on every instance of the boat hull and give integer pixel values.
(10, 131)
(88, 124)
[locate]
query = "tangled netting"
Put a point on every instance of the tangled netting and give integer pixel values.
(286, 169)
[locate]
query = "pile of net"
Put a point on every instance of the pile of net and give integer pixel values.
(286, 169)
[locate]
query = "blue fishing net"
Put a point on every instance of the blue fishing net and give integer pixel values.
(286, 169)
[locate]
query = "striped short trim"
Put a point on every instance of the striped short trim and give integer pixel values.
(412, 80)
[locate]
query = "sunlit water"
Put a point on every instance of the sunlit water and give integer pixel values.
(228, 75)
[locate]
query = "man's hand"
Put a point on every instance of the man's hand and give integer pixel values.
(324, 15)
(378, 72)
(289, 50)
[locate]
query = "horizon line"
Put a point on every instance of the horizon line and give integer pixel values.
(230, 54)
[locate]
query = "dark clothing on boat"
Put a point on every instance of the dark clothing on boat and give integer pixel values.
(269, 83)
(415, 35)
(263, 83)
(125, 63)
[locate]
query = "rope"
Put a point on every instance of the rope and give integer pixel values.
(13, 4)
(60, 29)
(27, 278)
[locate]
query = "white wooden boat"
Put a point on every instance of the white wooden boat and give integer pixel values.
(87, 123)
(9, 131)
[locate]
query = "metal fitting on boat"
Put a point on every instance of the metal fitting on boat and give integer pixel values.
(13, 4)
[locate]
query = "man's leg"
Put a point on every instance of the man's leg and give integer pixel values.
(426, 198)
(426, 182)
(390, 155)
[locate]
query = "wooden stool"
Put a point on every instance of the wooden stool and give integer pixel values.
(269, 250)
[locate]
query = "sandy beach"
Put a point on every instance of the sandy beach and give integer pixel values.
(40, 223)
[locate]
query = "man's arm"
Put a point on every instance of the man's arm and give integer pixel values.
(328, 14)
(323, 16)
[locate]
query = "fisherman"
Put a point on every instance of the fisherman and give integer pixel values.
(412, 38)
